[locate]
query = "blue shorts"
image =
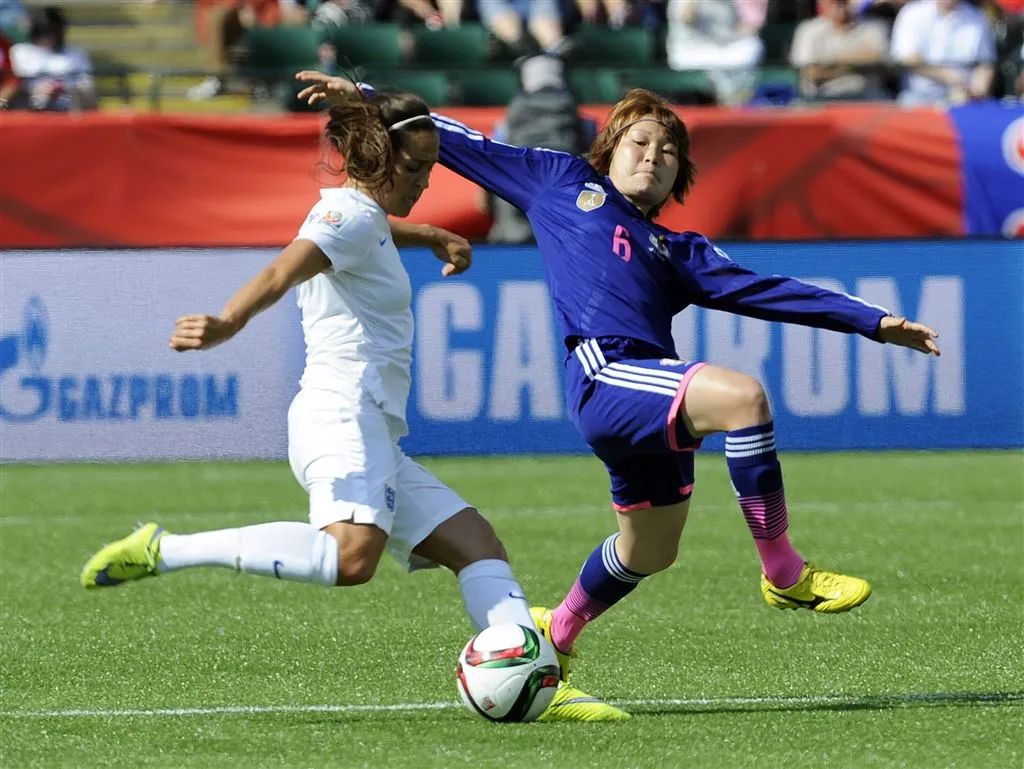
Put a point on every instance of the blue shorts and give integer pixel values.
(489, 10)
(627, 409)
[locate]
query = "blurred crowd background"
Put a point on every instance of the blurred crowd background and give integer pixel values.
(238, 55)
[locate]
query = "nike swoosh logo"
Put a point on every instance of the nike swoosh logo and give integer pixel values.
(383, 241)
(514, 594)
(816, 601)
(277, 567)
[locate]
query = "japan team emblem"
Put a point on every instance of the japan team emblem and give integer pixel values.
(1013, 145)
(588, 200)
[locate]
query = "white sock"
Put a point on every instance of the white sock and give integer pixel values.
(492, 595)
(285, 550)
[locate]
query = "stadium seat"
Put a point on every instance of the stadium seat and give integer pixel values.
(595, 86)
(777, 38)
(282, 50)
(626, 47)
(677, 86)
(432, 87)
(373, 44)
(466, 45)
(778, 76)
(487, 87)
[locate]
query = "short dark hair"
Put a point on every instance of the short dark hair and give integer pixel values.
(49, 21)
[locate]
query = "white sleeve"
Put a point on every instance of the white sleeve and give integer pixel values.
(905, 35)
(987, 41)
(345, 237)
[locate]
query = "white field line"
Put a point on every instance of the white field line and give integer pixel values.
(882, 700)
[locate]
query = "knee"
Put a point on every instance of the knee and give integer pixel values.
(355, 569)
(749, 405)
(480, 544)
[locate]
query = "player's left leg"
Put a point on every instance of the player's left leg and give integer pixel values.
(448, 532)
(720, 400)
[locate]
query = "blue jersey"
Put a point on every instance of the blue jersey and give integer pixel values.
(612, 272)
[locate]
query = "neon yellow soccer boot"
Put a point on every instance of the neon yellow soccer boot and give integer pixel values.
(570, 703)
(134, 557)
(818, 590)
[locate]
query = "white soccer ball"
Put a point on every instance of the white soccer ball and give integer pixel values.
(507, 673)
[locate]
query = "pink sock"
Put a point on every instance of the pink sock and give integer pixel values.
(779, 561)
(572, 615)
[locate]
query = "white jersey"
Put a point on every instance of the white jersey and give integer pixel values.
(357, 317)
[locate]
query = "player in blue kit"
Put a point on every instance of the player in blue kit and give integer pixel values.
(617, 278)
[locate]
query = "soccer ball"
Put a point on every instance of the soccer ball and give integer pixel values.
(507, 672)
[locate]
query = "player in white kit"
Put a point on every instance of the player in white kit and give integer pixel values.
(365, 495)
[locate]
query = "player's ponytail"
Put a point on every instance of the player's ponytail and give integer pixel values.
(369, 128)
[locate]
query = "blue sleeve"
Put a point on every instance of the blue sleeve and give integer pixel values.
(517, 174)
(718, 283)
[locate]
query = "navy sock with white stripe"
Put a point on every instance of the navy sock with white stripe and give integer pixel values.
(757, 479)
(602, 583)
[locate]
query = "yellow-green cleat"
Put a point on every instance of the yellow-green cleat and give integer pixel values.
(134, 557)
(818, 590)
(570, 703)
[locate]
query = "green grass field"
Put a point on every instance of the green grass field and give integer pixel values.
(214, 669)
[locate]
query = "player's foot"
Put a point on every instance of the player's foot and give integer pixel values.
(134, 557)
(542, 619)
(571, 704)
(818, 590)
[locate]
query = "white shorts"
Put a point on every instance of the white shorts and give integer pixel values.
(346, 456)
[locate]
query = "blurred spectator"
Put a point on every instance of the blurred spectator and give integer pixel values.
(1020, 77)
(949, 48)
(443, 13)
(504, 19)
(828, 50)
(8, 80)
(614, 13)
(54, 76)
(882, 10)
(13, 15)
(542, 114)
(343, 13)
(223, 24)
(720, 36)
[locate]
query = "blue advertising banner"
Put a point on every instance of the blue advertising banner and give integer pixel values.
(85, 372)
(488, 361)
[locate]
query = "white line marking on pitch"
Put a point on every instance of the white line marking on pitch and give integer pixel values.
(880, 700)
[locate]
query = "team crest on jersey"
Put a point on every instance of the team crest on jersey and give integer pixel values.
(1013, 145)
(659, 245)
(590, 200)
(333, 218)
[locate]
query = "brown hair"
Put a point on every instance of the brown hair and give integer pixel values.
(636, 104)
(358, 130)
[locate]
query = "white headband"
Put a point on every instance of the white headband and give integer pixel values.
(402, 123)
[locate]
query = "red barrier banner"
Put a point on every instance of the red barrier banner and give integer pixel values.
(148, 180)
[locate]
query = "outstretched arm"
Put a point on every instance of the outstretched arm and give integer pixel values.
(300, 261)
(454, 250)
(718, 283)
(517, 174)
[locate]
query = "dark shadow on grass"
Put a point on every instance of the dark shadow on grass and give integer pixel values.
(841, 703)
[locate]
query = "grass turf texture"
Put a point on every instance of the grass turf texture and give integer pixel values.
(928, 673)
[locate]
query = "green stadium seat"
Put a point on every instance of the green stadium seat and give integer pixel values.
(432, 87)
(371, 44)
(466, 45)
(777, 38)
(667, 82)
(595, 86)
(487, 87)
(15, 34)
(778, 76)
(282, 49)
(626, 47)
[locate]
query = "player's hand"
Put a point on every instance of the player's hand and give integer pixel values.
(324, 89)
(454, 251)
(200, 332)
(907, 333)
